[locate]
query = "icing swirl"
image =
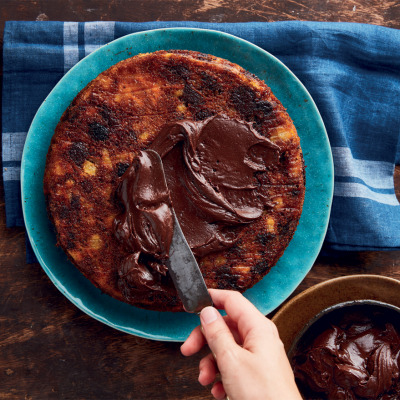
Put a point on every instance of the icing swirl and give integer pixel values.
(210, 169)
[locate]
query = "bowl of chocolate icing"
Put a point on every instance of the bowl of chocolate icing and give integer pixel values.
(351, 351)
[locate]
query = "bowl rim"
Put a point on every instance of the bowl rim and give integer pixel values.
(317, 286)
(330, 309)
(283, 316)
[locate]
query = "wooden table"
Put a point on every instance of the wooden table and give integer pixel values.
(51, 350)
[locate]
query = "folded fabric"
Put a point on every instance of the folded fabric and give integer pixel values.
(351, 70)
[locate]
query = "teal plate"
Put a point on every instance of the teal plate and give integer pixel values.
(298, 258)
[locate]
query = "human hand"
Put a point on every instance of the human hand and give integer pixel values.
(245, 349)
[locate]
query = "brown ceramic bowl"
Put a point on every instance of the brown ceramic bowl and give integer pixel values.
(350, 315)
(335, 313)
(292, 318)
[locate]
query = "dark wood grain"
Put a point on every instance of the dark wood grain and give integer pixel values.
(379, 12)
(51, 350)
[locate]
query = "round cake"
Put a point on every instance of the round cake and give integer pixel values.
(125, 110)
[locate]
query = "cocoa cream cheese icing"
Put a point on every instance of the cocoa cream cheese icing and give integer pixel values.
(360, 361)
(210, 180)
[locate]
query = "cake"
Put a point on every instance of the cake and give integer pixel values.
(122, 112)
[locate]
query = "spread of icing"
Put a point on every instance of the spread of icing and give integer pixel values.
(359, 360)
(146, 225)
(210, 169)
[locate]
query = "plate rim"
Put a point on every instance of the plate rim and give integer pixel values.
(87, 59)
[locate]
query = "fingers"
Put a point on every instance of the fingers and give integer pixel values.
(196, 339)
(218, 391)
(250, 322)
(234, 303)
(232, 325)
(218, 336)
(208, 370)
(193, 343)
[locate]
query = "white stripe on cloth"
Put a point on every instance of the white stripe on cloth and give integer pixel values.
(377, 174)
(13, 145)
(71, 50)
(97, 34)
(352, 189)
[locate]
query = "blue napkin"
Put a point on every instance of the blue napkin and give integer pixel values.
(351, 70)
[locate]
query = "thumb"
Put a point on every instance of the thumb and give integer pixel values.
(216, 332)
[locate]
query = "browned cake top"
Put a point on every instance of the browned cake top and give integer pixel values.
(121, 112)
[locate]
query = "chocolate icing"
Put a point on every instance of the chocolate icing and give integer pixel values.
(356, 360)
(210, 169)
(146, 225)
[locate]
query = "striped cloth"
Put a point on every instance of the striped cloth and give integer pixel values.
(351, 70)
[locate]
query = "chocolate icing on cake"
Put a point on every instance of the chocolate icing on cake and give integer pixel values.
(209, 168)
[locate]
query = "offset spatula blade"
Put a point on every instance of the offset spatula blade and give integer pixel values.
(186, 273)
(183, 267)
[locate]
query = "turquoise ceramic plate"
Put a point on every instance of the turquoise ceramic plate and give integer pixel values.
(298, 257)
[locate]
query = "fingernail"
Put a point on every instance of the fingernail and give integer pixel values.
(200, 374)
(209, 315)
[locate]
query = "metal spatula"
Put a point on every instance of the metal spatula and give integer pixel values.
(184, 270)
